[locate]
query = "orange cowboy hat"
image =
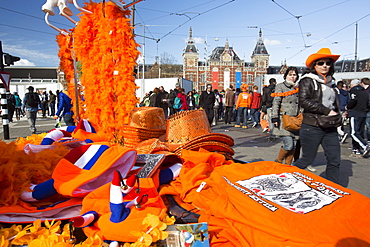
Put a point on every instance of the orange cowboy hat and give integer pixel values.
(322, 53)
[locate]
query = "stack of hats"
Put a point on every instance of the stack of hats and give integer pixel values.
(191, 130)
(145, 123)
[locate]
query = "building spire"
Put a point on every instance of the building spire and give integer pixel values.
(190, 33)
(227, 46)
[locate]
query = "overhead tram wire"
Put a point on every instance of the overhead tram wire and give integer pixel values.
(36, 17)
(169, 13)
(191, 18)
(331, 35)
(296, 17)
(38, 31)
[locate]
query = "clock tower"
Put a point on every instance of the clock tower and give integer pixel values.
(190, 59)
(260, 57)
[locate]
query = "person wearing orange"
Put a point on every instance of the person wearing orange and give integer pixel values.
(242, 105)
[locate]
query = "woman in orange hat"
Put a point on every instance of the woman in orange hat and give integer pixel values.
(319, 100)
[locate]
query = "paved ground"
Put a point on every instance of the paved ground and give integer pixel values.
(250, 145)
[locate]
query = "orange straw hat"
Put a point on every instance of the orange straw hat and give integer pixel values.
(88, 167)
(145, 123)
(191, 130)
(322, 53)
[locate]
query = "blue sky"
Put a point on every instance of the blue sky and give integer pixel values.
(292, 29)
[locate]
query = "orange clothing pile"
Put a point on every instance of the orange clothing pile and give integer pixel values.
(244, 100)
(98, 201)
(270, 204)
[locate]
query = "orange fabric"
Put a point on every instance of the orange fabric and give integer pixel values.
(244, 100)
(98, 201)
(68, 178)
(19, 169)
(252, 219)
(264, 123)
(95, 137)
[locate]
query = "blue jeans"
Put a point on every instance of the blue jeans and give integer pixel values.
(244, 111)
(31, 118)
(255, 115)
(52, 108)
(288, 143)
(68, 120)
(311, 137)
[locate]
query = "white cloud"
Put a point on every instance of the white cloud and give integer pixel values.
(32, 54)
(198, 40)
(271, 42)
(24, 62)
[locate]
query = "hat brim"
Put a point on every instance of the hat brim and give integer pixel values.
(216, 137)
(316, 56)
(212, 146)
(70, 180)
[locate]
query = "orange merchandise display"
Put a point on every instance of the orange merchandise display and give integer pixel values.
(98, 201)
(270, 204)
(104, 46)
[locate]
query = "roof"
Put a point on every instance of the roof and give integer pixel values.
(190, 46)
(33, 72)
(260, 48)
(218, 51)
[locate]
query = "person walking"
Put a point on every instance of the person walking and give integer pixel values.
(357, 110)
(173, 94)
(206, 101)
(229, 103)
(286, 103)
(18, 106)
(255, 106)
(318, 99)
(365, 82)
(162, 99)
(184, 104)
(266, 104)
(52, 100)
(30, 105)
(216, 107)
(11, 106)
(343, 96)
(190, 99)
(65, 108)
(44, 104)
(154, 98)
(242, 105)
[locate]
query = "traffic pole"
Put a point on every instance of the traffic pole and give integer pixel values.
(4, 101)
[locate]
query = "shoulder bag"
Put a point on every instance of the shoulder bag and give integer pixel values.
(325, 121)
(292, 123)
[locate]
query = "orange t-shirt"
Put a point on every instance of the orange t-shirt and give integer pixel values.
(244, 100)
(270, 204)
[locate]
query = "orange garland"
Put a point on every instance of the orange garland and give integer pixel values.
(105, 46)
(285, 93)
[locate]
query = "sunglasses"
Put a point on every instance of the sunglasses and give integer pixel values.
(322, 63)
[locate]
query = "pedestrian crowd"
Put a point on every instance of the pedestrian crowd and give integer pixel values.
(48, 104)
(304, 111)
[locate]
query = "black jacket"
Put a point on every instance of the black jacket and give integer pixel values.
(207, 100)
(310, 99)
(266, 98)
(358, 103)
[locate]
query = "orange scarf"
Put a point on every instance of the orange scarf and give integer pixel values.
(294, 91)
